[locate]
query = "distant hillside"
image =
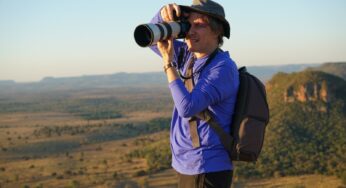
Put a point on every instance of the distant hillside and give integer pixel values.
(86, 82)
(113, 80)
(306, 133)
(6, 82)
(338, 69)
(265, 73)
(127, 79)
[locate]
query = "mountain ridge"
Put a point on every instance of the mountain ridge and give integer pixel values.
(136, 79)
(140, 80)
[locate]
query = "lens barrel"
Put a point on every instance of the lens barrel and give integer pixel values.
(149, 34)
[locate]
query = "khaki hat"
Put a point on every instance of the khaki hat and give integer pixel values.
(212, 9)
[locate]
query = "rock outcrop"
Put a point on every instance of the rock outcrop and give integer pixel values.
(310, 91)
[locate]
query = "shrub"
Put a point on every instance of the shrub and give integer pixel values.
(115, 175)
(343, 177)
(140, 173)
(74, 184)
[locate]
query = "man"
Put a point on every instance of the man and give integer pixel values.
(197, 154)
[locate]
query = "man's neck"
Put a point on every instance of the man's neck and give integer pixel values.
(207, 52)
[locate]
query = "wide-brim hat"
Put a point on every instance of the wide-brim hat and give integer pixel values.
(212, 9)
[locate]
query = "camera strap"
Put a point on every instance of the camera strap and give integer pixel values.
(191, 63)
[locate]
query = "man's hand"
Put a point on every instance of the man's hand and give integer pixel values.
(166, 49)
(167, 12)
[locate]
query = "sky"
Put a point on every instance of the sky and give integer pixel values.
(66, 38)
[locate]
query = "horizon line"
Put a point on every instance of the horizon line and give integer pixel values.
(123, 72)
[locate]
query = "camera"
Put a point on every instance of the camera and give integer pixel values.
(149, 34)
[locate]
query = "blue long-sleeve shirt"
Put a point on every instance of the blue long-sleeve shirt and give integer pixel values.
(216, 89)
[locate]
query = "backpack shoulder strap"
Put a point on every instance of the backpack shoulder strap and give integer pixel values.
(225, 138)
(189, 84)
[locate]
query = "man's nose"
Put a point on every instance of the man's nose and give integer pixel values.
(191, 30)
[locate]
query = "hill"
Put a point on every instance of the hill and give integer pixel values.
(124, 80)
(338, 69)
(265, 73)
(305, 86)
(85, 82)
(306, 133)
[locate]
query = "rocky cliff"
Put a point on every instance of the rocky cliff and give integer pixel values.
(310, 91)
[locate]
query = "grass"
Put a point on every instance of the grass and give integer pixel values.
(305, 181)
(53, 162)
(33, 161)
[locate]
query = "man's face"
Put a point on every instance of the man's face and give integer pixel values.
(200, 36)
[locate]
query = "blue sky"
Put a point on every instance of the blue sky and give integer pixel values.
(61, 38)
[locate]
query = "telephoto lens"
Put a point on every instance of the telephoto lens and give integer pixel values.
(149, 34)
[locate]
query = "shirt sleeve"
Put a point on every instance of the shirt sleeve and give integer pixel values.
(214, 85)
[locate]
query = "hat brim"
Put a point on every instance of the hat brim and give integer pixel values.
(226, 26)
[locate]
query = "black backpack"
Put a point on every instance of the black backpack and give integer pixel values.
(250, 118)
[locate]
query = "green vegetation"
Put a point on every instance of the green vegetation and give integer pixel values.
(300, 142)
(127, 130)
(343, 177)
(74, 184)
(94, 109)
(157, 155)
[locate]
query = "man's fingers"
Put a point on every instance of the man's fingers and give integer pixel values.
(177, 9)
(165, 16)
(167, 12)
(170, 12)
(164, 13)
(170, 42)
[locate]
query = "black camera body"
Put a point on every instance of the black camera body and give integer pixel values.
(149, 34)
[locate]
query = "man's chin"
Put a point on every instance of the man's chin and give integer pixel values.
(191, 49)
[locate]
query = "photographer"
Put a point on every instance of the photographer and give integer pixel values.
(209, 81)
